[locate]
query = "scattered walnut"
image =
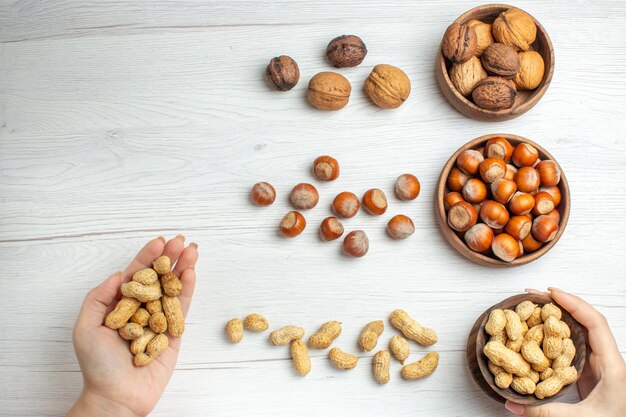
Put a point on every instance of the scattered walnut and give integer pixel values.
(346, 51)
(282, 73)
(329, 91)
(388, 86)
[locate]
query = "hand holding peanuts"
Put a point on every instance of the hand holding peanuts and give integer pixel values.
(111, 380)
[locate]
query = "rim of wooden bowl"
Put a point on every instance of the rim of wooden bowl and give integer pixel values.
(477, 362)
(456, 242)
(467, 107)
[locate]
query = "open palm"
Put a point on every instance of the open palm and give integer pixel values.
(112, 384)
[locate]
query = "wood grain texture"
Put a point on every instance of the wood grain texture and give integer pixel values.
(123, 120)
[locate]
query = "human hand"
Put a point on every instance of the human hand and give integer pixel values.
(112, 385)
(601, 383)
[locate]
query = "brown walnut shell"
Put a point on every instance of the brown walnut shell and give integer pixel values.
(467, 75)
(500, 59)
(484, 37)
(515, 28)
(282, 73)
(346, 51)
(387, 86)
(329, 91)
(494, 93)
(459, 43)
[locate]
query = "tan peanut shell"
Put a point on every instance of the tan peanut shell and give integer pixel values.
(534, 355)
(535, 318)
(421, 368)
(515, 345)
(370, 334)
(285, 335)
(411, 329)
(171, 284)
(324, 337)
(551, 386)
(534, 375)
(234, 330)
(145, 276)
(525, 309)
(155, 347)
(494, 369)
(535, 333)
(174, 315)
(256, 323)
(566, 357)
(342, 360)
(399, 347)
(566, 332)
(124, 309)
(546, 374)
(162, 265)
(552, 341)
(143, 293)
(141, 316)
(499, 337)
(550, 310)
(496, 323)
(300, 357)
(503, 380)
(154, 306)
(139, 345)
(502, 356)
(380, 366)
(514, 328)
(158, 323)
(131, 331)
(523, 385)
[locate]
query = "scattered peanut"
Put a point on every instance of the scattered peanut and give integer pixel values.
(154, 306)
(124, 309)
(411, 329)
(174, 315)
(286, 334)
(171, 284)
(162, 265)
(421, 368)
(131, 331)
(300, 356)
(155, 347)
(143, 293)
(141, 316)
(324, 337)
(158, 323)
(370, 334)
(399, 347)
(139, 345)
(256, 323)
(341, 359)
(234, 330)
(380, 366)
(145, 276)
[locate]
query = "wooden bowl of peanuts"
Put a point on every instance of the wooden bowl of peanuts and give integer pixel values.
(541, 364)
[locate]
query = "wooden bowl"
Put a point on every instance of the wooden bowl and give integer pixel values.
(477, 361)
(525, 100)
(455, 238)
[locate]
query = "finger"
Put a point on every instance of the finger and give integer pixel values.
(545, 410)
(187, 259)
(97, 302)
(174, 247)
(601, 339)
(188, 279)
(144, 258)
(586, 382)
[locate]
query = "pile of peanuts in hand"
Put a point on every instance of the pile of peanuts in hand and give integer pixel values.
(368, 339)
(148, 308)
(530, 350)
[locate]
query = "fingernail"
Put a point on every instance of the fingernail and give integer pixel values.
(194, 244)
(180, 236)
(534, 291)
(162, 239)
(517, 409)
(555, 289)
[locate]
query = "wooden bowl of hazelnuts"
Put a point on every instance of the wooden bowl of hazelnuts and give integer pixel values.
(502, 200)
(495, 62)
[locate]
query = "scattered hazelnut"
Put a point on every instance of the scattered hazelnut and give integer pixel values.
(329, 91)
(515, 28)
(465, 76)
(518, 227)
(462, 216)
(326, 168)
(408, 187)
(494, 93)
(492, 169)
(387, 86)
(263, 194)
(400, 227)
(505, 247)
(484, 38)
(282, 73)
(375, 201)
(502, 60)
(346, 204)
(531, 70)
(479, 237)
(292, 224)
(304, 196)
(346, 51)
(527, 179)
(356, 243)
(331, 229)
(459, 43)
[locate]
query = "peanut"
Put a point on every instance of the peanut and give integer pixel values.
(506, 358)
(535, 318)
(421, 368)
(300, 356)
(534, 355)
(565, 330)
(496, 322)
(411, 329)
(499, 337)
(130, 331)
(502, 378)
(515, 345)
(546, 374)
(566, 357)
(124, 309)
(139, 345)
(143, 293)
(551, 386)
(525, 328)
(514, 328)
(341, 359)
(154, 306)
(399, 347)
(141, 316)
(174, 315)
(162, 265)
(523, 385)
(234, 330)
(381, 365)
(286, 334)
(256, 323)
(171, 284)
(324, 337)
(534, 375)
(552, 341)
(155, 347)
(535, 333)
(158, 323)
(525, 309)
(145, 276)
(370, 334)
(550, 310)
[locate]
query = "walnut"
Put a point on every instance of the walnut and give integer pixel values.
(515, 28)
(530, 72)
(459, 43)
(501, 60)
(388, 86)
(282, 73)
(494, 93)
(465, 76)
(484, 38)
(346, 51)
(329, 91)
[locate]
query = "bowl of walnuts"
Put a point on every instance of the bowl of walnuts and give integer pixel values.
(495, 62)
(502, 200)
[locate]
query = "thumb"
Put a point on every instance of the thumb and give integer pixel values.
(544, 410)
(98, 301)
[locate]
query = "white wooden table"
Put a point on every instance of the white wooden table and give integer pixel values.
(124, 120)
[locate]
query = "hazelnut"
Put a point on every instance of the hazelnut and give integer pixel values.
(474, 191)
(518, 227)
(503, 189)
(469, 160)
(492, 169)
(462, 216)
(525, 155)
(484, 38)
(531, 70)
(479, 237)
(282, 73)
(515, 28)
(544, 204)
(500, 59)
(304, 196)
(292, 224)
(521, 203)
(331, 229)
(407, 187)
(459, 43)
(329, 91)
(263, 194)
(527, 179)
(451, 199)
(554, 191)
(499, 147)
(326, 168)
(466, 75)
(387, 86)
(494, 93)
(356, 243)
(375, 201)
(346, 204)
(346, 51)
(457, 179)
(549, 172)
(531, 244)
(544, 228)
(494, 214)
(400, 227)
(505, 247)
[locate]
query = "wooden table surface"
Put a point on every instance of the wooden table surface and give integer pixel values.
(124, 120)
